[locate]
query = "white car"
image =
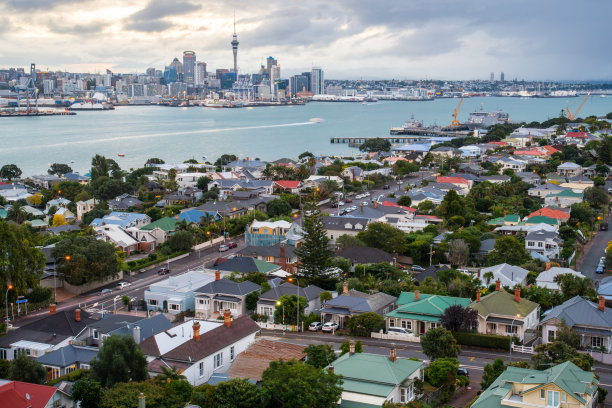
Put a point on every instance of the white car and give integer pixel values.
(366, 194)
(330, 326)
(122, 285)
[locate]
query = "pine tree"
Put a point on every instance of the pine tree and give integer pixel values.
(315, 254)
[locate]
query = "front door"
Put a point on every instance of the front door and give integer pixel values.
(422, 328)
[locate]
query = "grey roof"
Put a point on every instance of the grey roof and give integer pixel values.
(487, 245)
(541, 235)
(339, 223)
(580, 312)
(310, 292)
(356, 301)
(429, 272)
(63, 228)
(221, 207)
(113, 322)
(267, 251)
(148, 327)
(68, 355)
(240, 264)
(124, 201)
(495, 177)
(365, 255)
(228, 287)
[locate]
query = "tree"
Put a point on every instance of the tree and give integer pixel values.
(345, 347)
(16, 213)
(377, 144)
(69, 189)
(459, 318)
(342, 263)
(439, 343)
(106, 188)
(251, 300)
(567, 334)
(10, 172)
(572, 285)
(59, 169)
(237, 393)
(452, 205)
(99, 167)
(365, 323)
(459, 252)
(298, 385)
(90, 259)
(180, 241)
(225, 159)
(507, 249)
(87, 392)
(314, 254)
(202, 183)
(443, 373)
(557, 352)
(58, 219)
(26, 369)
(319, 356)
(289, 307)
(384, 236)
(174, 394)
(347, 241)
(305, 154)
(278, 207)
(120, 359)
(596, 197)
(5, 365)
(405, 201)
(325, 296)
(491, 372)
(21, 262)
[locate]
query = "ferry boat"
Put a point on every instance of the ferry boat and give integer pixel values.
(481, 119)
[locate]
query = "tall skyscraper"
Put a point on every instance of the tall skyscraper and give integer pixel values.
(492, 77)
(235, 47)
(501, 77)
(270, 62)
(317, 81)
(200, 73)
(189, 62)
(178, 66)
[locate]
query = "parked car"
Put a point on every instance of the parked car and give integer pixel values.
(366, 194)
(463, 371)
(600, 269)
(417, 268)
(330, 326)
(223, 248)
(105, 292)
(349, 200)
(398, 330)
(232, 244)
(163, 271)
(315, 326)
(603, 226)
(122, 285)
(386, 187)
(334, 205)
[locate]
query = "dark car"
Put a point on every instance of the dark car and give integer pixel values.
(463, 371)
(163, 271)
(232, 245)
(603, 226)
(386, 187)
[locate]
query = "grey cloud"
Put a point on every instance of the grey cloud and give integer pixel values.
(40, 5)
(151, 18)
(76, 29)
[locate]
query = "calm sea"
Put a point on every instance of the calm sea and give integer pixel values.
(177, 134)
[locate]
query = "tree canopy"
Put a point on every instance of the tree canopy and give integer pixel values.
(119, 360)
(384, 236)
(59, 169)
(439, 343)
(315, 254)
(90, 259)
(376, 145)
(10, 172)
(459, 318)
(319, 356)
(26, 369)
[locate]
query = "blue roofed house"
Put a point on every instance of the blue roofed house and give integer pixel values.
(76, 177)
(66, 360)
(123, 219)
(177, 293)
(195, 216)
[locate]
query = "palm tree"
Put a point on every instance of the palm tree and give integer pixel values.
(17, 213)
(169, 374)
(488, 277)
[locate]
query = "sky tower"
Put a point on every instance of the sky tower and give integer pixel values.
(235, 48)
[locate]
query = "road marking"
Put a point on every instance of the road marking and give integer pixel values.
(472, 358)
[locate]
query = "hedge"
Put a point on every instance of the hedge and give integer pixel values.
(482, 340)
(138, 265)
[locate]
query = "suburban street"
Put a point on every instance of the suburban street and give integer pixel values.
(596, 250)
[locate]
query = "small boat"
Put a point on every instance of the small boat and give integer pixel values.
(121, 155)
(602, 96)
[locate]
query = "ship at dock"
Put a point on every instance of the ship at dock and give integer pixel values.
(411, 126)
(482, 120)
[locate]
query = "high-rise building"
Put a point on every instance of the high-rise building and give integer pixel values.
(492, 77)
(298, 83)
(501, 77)
(178, 66)
(317, 81)
(170, 75)
(308, 76)
(235, 47)
(189, 63)
(200, 73)
(151, 72)
(270, 62)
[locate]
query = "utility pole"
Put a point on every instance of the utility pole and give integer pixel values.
(431, 252)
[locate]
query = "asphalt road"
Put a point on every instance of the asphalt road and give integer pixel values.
(596, 250)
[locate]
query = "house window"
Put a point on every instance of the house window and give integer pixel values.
(153, 302)
(511, 329)
(95, 333)
(530, 243)
(551, 335)
(562, 397)
(3, 354)
(542, 393)
(540, 244)
(597, 342)
(433, 325)
(407, 324)
(407, 394)
(391, 322)
(200, 301)
(201, 369)
(232, 353)
(552, 399)
(174, 306)
(218, 360)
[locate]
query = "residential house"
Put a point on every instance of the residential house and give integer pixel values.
(120, 238)
(529, 177)
(193, 216)
(508, 275)
(509, 163)
(227, 210)
(188, 179)
(316, 180)
(267, 301)
(242, 264)
(555, 178)
(546, 190)
(76, 177)
(46, 181)
(61, 228)
(515, 229)
(226, 186)
(52, 332)
(123, 219)
(563, 199)
(371, 380)
(200, 348)
(445, 151)
(14, 192)
(564, 385)
(57, 203)
(353, 303)
(17, 394)
(486, 247)
(67, 359)
(182, 196)
(176, 294)
(458, 181)
(429, 272)
(66, 213)
(552, 212)
(365, 256)
(418, 223)
(507, 219)
(569, 169)
(83, 207)
(353, 173)
(161, 229)
(337, 226)
(266, 233)
(223, 294)
(546, 279)
(501, 313)
(470, 152)
(291, 186)
(541, 219)
(123, 202)
(605, 288)
(592, 321)
(578, 183)
(547, 243)
(279, 254)
(251, 363)
(419, 312)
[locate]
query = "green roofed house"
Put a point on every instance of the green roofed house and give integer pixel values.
(508, 219)
(537, 219)
(161, 229)
(419, 312)
(563, 199)
(500, 313)
(564, 385)
(3, 213)
(372, 379)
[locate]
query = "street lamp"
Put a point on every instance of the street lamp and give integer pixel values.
(67, 258)
(518, 316)
(279, 303)
(9, 287)
(297, 321)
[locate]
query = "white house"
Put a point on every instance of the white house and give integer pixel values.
(508, 275)
(564, 199)
(543, 242)
(569, 169)
(546, 279)
(223, 294)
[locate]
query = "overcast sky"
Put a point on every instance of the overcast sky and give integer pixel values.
(444, 39)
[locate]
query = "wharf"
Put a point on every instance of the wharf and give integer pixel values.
(429, 131)
(21, 114)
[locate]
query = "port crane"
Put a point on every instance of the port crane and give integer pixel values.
(571, 116)
(455, 122)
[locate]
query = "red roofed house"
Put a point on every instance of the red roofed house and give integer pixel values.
(551, 213)
(532, 152)
(293, 186)
(390, 204)
(17, 394)
(549, 149)
(455, 180)
(576, 135)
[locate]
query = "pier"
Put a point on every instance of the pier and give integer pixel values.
(23, 114)
(357, 141)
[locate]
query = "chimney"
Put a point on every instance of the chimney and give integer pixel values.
(351, 348)
(478, 273)
(217, 275)
(602, 303)
(176, 217)
(498, 285)
(478, 295)
(517, 295)
(77, 315)
(331, 369)
(136, 334)
(375, 204)
(345, 287)
(196, 330)
(361, 208)
(227, 317)
(393, 353)
(417, 293)
(52, 309)
(547, 265)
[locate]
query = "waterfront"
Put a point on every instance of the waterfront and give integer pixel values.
(175, 134)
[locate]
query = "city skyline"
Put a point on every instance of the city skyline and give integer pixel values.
(441, 39)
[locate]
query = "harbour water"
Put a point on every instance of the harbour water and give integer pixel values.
(269, 133)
